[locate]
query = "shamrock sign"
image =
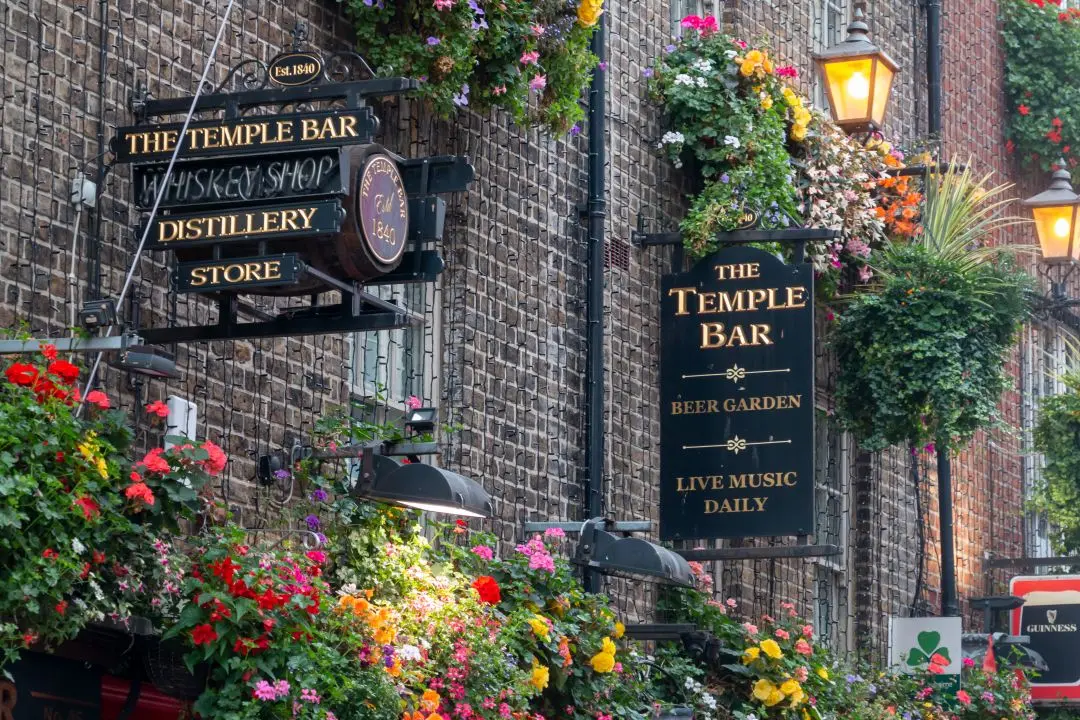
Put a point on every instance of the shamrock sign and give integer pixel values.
(929, 646)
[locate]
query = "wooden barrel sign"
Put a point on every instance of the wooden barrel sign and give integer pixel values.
(356, 234)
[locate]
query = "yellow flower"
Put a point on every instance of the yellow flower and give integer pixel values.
(766, 102)
(87, 451)
(884, 148)
(763, 689)
(774, 697)
(606, 646)
(385, 635)
(798, 133)
(589, 12)
(747, 68)
(102, 467)
(822, 673)
(755, 57)
(789, 686)
(770, 648)
(540, 676)
(751, 655)
(797, 697)
(805, 715)
(620, 630)
(602, 662)
(768, 65)
(539, 627)
(802, 116)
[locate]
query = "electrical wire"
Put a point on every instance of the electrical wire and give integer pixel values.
(161, 189)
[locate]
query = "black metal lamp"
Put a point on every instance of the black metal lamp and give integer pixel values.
(421, 420)
(858, 79)
(632, 556)
(420, 486)
(147, 360)
(1057, 219)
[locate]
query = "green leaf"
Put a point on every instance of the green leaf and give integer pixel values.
(929, 640)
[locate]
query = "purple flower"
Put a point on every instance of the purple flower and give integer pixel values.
(475, 7)
(462, 98)
(603, 65)
(282, 474)
(433, 40)
(669, 49)
(319, 495)
(725, 178)
(480, 24)
(647, 72)
(320, 538)
(313, 522)
(369, 3)
(576, 129)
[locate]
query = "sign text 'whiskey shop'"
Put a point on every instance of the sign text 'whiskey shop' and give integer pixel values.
(737, 369)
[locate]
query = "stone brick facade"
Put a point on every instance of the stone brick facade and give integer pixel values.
(505, 345)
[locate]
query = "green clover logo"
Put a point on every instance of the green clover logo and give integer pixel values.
(929, 646)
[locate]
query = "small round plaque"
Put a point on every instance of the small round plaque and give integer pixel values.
(295, 69)
(383, 208)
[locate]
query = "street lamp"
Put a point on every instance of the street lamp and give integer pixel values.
(1057, 211)
(858, 78)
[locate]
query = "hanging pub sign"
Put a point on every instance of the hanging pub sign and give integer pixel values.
(1050, 617)
(286, 194)
(737, 398)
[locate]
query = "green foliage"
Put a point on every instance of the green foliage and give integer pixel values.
(476, 53)
(921, 357)
(1057, 437)
(1042, 51)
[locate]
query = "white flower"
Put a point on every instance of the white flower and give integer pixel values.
(409, 652)
(702, 82)
(702, 65)
(732, 141)
(671, 138)
(77, 546)
(347, 589)
(730, 54)
(684, 79)
(708, 700)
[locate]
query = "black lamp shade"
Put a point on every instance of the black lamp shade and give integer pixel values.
(426, 487)
(640, 557)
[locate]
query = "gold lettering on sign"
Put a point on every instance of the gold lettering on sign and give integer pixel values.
(766, 402)
(227, 225)
(8, 697)
(331, 128)
(233, 273)
(715, 335)
(736, 505)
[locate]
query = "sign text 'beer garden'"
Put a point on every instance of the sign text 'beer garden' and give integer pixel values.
(737, 397)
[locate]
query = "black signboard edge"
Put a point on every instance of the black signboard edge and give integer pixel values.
(296, 269)
(334, 203)
(781, 551)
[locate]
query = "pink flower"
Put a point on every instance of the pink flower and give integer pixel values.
(309, 695)
(554, 533)
(499, 90)
(730, 602)
(801, 673)
(483, 552)
(538, 83)
(96, 397)
(808, 630)
(537, 29)
(413, 402)
(787, 71)
(750, 628)
(969, 663)
(264, 691)
(803, 648)
(865, 273)
(963, 697)
(741, 44)
(444, 4)
(783, 634)
(530, 58)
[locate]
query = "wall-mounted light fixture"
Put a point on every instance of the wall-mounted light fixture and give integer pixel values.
(597, 548)
(421, 420)
(1057, 218)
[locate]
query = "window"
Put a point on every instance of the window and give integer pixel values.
(1046, 357)
(831, 587)
(701, 8)
(828, 27)
(394, 364)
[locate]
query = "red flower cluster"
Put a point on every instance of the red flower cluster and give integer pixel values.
(1069, 15)
(54, 383)
(704, 25)
(488, 589)
(158, 408)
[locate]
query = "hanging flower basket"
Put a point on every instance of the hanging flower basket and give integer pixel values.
(101, 643)
(163, 661)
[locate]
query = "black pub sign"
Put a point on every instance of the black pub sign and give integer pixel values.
(737, 398)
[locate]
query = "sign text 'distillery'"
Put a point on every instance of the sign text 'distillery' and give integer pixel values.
(250, 223)
(257, 134)
(737, 369)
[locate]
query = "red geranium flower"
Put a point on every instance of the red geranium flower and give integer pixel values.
(96, 397)
(89, 508)
(49, 554)
(61, 607)
(21, 374)
(158, 408)
(140, 491)
(203, 635)
(1023, 109)
(85, 571)
(49, 351)
(217, 460)
(99, 557)
(488, 589)
(153, 461)
(64, 370)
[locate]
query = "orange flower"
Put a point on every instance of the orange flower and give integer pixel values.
(430, 700)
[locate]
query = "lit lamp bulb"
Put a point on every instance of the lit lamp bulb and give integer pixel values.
(1061, 227)
(858, 86)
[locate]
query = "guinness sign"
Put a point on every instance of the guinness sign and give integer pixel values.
(1050, 617)
(295, 69)
(737, 398)
(259, 134)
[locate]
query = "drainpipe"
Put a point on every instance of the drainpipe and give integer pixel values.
(933, 67)
(594, 284)
(93, 237)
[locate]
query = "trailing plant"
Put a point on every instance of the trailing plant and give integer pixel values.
(1057, 437)
(529, 58)
(921, 357)
(1042, 46)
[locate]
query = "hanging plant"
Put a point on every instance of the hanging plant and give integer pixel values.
(530, 58)
(1057, 437)
(921, 356)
